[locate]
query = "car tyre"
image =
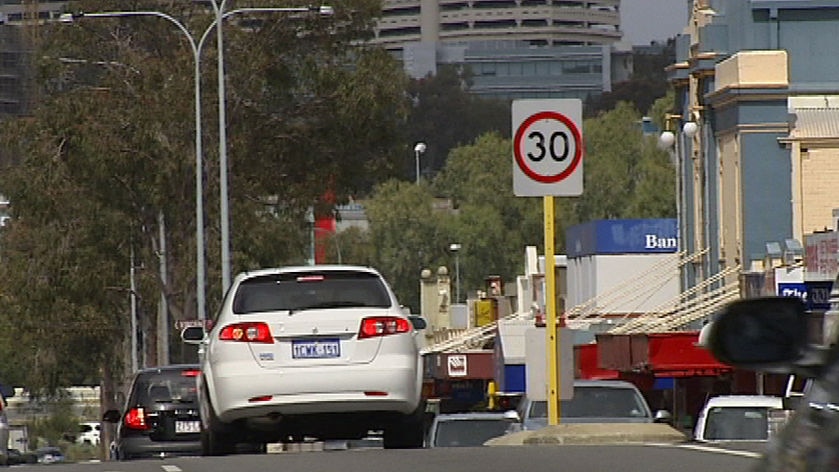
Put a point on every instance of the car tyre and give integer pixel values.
(406, 432)
(214, 441)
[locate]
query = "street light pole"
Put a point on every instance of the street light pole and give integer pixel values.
(200, 263)
(419, 149)
(218, 7)
(197, 47)
(455, 248)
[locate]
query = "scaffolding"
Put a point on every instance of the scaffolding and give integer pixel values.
(692, 305)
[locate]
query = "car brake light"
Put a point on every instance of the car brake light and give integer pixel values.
(136, 419)
(250, 332)
(383, 326)
(190, 373)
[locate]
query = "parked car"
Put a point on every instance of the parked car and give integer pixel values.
(309, 351)
(771, 334)
(595, 401)
(161, 414)
(89, 432)
(49, 455)
(17, 457)
(737, 418)
(468, 429)
(4, 425)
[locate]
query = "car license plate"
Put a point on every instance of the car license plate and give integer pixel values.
(187, 427)
(316, 349)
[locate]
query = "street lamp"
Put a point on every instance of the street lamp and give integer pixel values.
(455, 248)
(218, 8)
(419, 149)
(675, 144)
(196, 48)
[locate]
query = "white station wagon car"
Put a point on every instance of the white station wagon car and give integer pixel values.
(310, 351)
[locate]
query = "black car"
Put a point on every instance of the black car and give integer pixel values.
(17, 457)
(160, 417)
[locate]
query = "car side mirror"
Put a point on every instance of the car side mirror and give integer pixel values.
(663, 416)
(112, 416)
(760, 333)
(418, 322)
(192, 334)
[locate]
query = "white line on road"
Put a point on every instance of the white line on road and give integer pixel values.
(720, 450)
(170, 468)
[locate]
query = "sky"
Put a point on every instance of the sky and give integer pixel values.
(643, 21)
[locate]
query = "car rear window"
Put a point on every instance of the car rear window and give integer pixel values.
(469, 433)
(596, 402)
(165, 387)
(737, 423)
(305, 290)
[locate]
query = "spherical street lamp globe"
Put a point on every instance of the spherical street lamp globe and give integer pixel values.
(666, 140)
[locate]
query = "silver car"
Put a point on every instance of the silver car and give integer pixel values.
(469, 429)
(595, 401)
(301, 352)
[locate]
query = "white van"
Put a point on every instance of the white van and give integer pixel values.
(737, 418)
(89, 432)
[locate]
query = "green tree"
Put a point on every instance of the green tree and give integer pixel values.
(109, 153)
(446, 115)
(625, 174)
(407, 235)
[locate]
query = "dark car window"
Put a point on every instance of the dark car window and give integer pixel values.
(465, 433)
(165, 387)
(595, 402)
(306, 290)
(604, 403)
(744, 423)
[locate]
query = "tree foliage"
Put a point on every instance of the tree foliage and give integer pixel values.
(625, 174)
(106, 165)
(445, 115)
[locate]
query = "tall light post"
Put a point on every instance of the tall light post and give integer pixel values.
(455, 248)
(675, 144)
(419, 149)
(197, 47)
(218, 8)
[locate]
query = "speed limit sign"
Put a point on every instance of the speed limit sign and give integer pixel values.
(547, 147)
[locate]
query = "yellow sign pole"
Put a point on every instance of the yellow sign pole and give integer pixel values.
(552, 343)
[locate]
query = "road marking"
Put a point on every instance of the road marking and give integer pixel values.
(719, 450)
(170, 468)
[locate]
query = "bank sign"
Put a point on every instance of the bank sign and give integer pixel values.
(635, 236)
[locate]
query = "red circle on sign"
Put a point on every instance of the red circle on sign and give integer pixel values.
(578, 145)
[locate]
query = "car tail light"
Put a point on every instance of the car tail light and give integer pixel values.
(383, 326)
(251, 332)
(190, 373)
(136, 419)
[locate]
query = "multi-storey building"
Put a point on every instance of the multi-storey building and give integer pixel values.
(757, 102)
(514, 48)
(19, 20)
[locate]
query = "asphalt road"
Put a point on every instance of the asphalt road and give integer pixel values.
(623, 458)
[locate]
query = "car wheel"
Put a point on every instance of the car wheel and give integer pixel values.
(406, 432)
(214, 442)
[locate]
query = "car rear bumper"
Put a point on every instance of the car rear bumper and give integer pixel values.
(142, 446)
(251, 393)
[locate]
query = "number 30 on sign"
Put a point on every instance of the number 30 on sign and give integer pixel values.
(547, 147)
